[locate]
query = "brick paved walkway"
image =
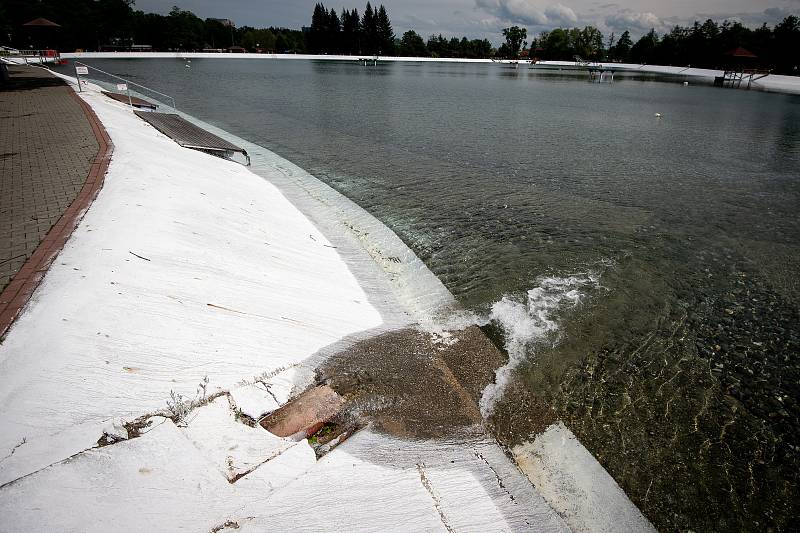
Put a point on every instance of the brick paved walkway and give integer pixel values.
(46, 150)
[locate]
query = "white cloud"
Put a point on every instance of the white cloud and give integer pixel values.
(527, 12)
(560, 14)
(633, 21)
(520, 11)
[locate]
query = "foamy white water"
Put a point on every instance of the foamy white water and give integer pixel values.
(526, 323)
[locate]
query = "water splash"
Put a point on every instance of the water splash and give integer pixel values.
(526, 323)
(441, 328)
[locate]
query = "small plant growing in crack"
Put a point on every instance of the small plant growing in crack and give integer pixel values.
(239, 415)
(179, 407)
(201, 388)
(230, 524)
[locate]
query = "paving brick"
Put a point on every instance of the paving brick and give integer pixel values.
(47, 147)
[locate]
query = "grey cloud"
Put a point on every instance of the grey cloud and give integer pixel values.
(526, 12)
(560, 14)
(520, 11)
(770, 16)
(633, 21)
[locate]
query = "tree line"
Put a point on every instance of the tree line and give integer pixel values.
(350, 33)
(703, 45)
(372, 34)
(115, 24)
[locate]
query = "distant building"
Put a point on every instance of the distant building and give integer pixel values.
(118, 44)
(228, 23)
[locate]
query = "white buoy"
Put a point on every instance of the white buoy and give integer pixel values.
(685, 83)
(658, 115)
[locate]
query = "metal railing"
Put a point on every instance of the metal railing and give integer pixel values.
(41, 56)
(127, 84)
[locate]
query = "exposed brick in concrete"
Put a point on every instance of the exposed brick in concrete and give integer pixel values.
(53, 157)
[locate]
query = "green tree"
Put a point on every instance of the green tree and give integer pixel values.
(215, 34)
(412, 45)
(185, 30)
(351, 32)
(254, 39)
(504, 51)
(384, 32)
(590, 43)
(437, 46)
(514, 38)
(369, 31)
(556, 44)
(645, 48)
(317, 33)
(333, 33)
(622, 49)
(282, 43)
(786, 46)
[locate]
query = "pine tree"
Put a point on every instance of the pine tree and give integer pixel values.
(369, 31)
(319, 29)
(333, 33)
(351, 28)
(385, 34)
(623, 47)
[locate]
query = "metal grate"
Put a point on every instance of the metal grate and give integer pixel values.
(188, 135)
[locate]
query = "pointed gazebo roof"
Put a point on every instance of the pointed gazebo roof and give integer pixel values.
(741, 52)
(42, 22)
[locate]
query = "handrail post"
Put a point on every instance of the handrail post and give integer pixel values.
(128, 84)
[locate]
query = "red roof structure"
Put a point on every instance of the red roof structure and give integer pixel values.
(42, 22)
(741, 52)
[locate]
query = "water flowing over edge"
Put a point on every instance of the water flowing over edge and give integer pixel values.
(424, 297)
(530, 321)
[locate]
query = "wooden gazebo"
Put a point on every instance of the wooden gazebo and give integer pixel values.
(41, 33)
(740, 65)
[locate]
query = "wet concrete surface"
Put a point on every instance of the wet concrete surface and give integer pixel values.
(410, 384)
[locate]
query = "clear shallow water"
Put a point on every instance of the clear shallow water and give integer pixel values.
(679, 368)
